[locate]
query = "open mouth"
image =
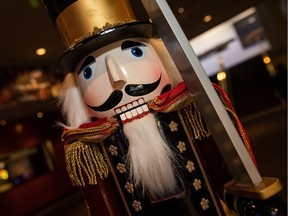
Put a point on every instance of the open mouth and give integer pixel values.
(134, 109)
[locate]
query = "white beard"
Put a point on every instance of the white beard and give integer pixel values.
(150, 159)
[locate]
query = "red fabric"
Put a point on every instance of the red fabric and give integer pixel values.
(96, 123)
(228, 103)
(162, 102)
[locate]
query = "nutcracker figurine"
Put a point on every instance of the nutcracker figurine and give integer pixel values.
(135, 142)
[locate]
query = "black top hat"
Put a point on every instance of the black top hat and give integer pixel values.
(86, 25)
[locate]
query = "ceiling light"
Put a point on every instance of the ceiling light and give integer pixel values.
(41, 51)
(221, 75)
(4, 175)
(3, 122)
(207, 18)
(39, 115)
(18, 127)
(181, 10)
(266, 59)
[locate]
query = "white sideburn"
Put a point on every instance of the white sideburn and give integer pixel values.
(73, 106)
(150, 158)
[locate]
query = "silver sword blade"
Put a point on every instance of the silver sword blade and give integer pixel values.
(218, 121)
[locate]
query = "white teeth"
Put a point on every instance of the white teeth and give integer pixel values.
(129, 106)
(123, 117)
(135, 103)
(134, 112)
(139, 110)
(145, 108)
(128, 115)
(118, 111)
(127, 111)
(141, 101)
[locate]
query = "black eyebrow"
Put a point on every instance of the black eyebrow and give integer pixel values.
(128, 44)
(89, 60)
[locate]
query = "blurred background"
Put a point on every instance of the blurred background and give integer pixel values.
(242, 46)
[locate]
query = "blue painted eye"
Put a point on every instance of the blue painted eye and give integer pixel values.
(137, 52)
(87, 73)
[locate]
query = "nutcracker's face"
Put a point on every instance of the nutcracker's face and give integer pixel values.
(121, 76)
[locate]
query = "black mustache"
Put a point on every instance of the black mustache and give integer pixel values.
(114, 98)
(132, 90)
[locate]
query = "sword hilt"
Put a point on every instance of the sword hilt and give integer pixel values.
(266, 189)
(260, 199)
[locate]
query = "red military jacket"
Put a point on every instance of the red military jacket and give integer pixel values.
(96, 153)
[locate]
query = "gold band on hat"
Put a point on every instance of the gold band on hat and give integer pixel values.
(83, 16)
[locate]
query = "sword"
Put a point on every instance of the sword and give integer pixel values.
(247, 180)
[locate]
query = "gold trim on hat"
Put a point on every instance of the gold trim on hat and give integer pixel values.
(84, 16)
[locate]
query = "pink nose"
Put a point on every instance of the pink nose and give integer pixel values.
(115, 73)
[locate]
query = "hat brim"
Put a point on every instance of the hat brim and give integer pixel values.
(72, 56)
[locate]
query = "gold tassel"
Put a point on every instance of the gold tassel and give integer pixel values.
(85, 158)
(193, 120)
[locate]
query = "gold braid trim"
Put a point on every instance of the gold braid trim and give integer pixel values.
(85, 158)
(82, 154)
(194, 122)
(92, 134)
(98, 30)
